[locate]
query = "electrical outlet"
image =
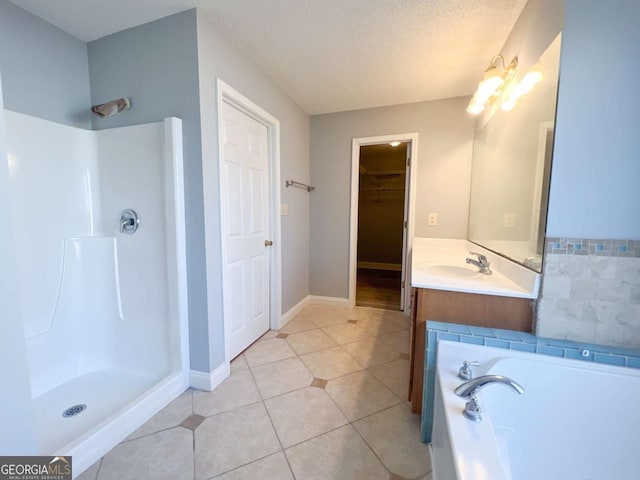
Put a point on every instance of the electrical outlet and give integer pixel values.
(433, 219)
(509, 220)
(284, 209)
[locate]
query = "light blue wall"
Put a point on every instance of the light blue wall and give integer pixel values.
(44, 69)
(595, 181)
(156, 66)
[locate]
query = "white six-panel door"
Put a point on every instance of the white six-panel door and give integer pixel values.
(246, 227)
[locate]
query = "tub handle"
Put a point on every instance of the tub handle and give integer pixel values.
(472, 409)
(465, 372)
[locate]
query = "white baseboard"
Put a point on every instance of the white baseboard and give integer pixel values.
(396, 267)
(293, 311)
(332, 301)
(209, 381)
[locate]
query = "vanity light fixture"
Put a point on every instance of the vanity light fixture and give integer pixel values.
(528, 83)
(493, 84)
(394, 144)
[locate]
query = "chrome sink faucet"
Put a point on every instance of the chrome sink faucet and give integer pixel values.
(482, 263)
(469, 389)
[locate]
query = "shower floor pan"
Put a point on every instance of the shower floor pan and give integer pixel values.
(104, 393)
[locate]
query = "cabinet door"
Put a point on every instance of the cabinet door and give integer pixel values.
(418, 338)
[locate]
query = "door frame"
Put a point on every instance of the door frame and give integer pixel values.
(229, 95)
(356, 143)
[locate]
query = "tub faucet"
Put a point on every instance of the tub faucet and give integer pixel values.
(469, 389)
(482, 263)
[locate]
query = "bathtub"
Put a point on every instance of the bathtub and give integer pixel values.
(575, 421)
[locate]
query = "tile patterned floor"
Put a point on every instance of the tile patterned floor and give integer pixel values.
(324, 398)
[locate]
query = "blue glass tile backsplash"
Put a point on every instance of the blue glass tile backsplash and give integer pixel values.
(508, 339)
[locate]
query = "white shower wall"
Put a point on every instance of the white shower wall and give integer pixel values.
(104, 313)
(69, 183)
(16, 413)
(53, 173)
(132, 175)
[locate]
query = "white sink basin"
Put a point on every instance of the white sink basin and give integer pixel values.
(439, 264)
(451, 271)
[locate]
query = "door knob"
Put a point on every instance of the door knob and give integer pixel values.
(268, 243)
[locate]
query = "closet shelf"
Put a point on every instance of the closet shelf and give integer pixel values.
(383, 173)
(383, 189)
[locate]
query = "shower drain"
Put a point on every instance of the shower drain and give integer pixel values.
(74, 410)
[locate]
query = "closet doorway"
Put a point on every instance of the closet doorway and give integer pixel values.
(381, 203)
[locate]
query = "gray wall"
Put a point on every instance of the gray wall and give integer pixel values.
(218, 58)
(44, 69)
(594, 182)
(443, 170)
(156, 65)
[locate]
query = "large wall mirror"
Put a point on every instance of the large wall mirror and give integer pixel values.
(511, 169)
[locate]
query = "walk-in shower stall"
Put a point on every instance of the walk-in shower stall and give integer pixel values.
(96, 220)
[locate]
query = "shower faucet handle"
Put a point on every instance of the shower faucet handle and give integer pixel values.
(129, 221)
(465, 372)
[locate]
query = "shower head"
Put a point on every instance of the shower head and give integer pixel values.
(108, 109)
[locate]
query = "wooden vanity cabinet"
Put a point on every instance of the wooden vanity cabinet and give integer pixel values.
(463, 308)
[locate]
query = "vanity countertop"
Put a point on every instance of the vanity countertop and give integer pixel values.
(439, 264)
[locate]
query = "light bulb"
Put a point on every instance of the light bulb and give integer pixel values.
(476, 104)
(530, 80)
(474, 108)
(508, 104)
(490, 85)
(491, 82)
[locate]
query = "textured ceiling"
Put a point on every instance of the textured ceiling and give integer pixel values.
(330, 55)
